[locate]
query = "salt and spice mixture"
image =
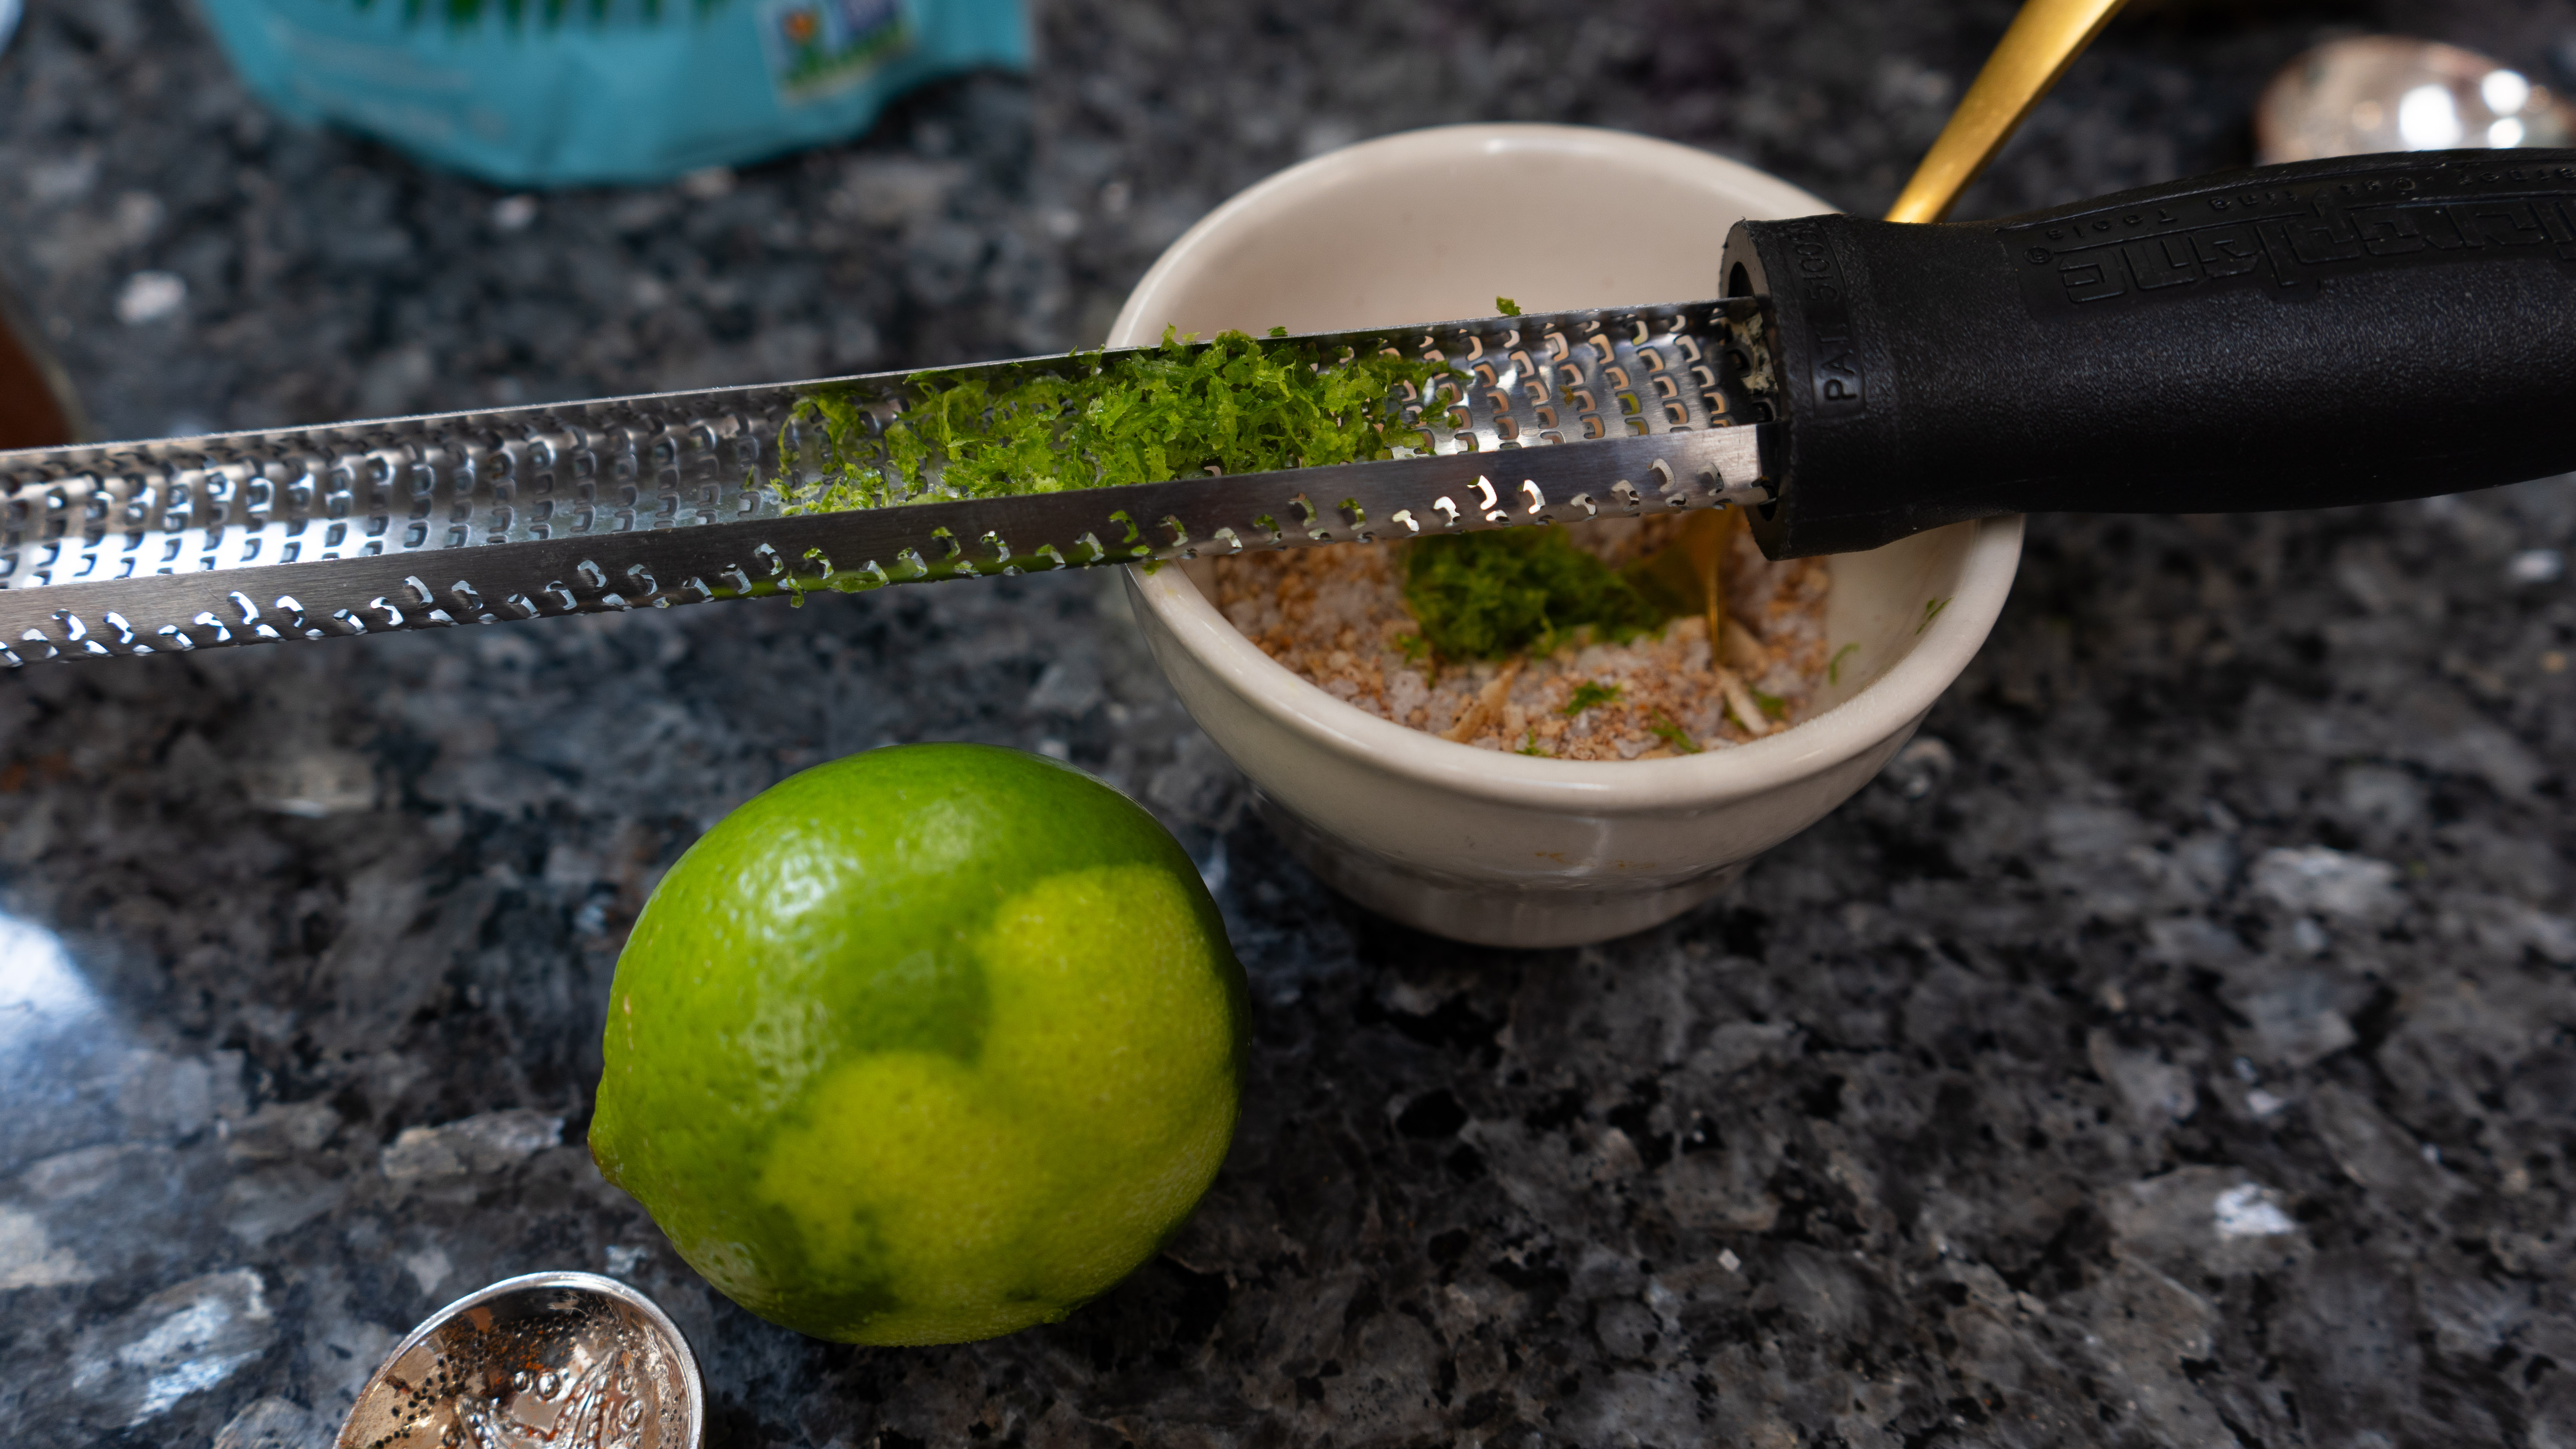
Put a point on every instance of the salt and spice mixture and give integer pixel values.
(1337, 616)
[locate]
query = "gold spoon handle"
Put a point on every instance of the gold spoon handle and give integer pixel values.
(2044, 39)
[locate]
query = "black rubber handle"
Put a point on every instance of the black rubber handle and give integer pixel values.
(2302, 336)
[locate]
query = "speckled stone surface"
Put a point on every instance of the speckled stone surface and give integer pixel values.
(2173, 1048)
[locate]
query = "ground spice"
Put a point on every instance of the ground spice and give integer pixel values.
(1337, 617)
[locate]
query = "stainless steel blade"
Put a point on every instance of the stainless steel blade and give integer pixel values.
(480, 517)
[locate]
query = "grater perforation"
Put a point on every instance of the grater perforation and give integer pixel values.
(524, 512)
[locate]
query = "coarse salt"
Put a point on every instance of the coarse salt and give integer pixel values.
(1336, 616)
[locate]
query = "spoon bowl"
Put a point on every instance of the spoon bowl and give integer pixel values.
(2371, 93)
(570, 1360)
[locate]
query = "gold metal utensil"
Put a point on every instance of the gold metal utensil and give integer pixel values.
(2044, 39)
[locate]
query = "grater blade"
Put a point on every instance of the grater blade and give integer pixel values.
(646, 502)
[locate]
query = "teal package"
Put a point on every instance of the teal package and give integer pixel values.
(579, 92)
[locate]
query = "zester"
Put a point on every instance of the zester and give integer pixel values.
(2326, 333)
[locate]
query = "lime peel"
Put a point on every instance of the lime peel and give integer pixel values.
(925, 1045)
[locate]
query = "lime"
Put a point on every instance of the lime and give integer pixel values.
(924, 1045)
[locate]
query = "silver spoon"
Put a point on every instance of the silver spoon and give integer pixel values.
(2372, 93)
(570, 1360)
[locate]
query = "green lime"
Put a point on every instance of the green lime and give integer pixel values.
(924, 1045)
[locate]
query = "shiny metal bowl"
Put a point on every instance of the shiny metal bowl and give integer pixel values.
(567, 1360)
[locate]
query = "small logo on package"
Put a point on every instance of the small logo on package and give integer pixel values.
(819, 48)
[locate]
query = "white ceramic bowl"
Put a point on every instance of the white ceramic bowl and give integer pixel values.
(1476, 845)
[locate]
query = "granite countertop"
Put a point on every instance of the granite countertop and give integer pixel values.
(2173, 1047)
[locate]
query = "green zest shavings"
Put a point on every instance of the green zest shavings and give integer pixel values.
(1488, 595)
(1664, 727)
(1588, 694)
(1507, 306)
(1239, 405)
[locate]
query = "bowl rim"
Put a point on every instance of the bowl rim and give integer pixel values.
(1877, 710)
(1463, 138)
(1884, 707)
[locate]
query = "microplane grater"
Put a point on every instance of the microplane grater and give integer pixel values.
(646, 502)
(2224, 343)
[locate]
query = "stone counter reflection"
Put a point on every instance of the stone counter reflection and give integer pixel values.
(78, 1216)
